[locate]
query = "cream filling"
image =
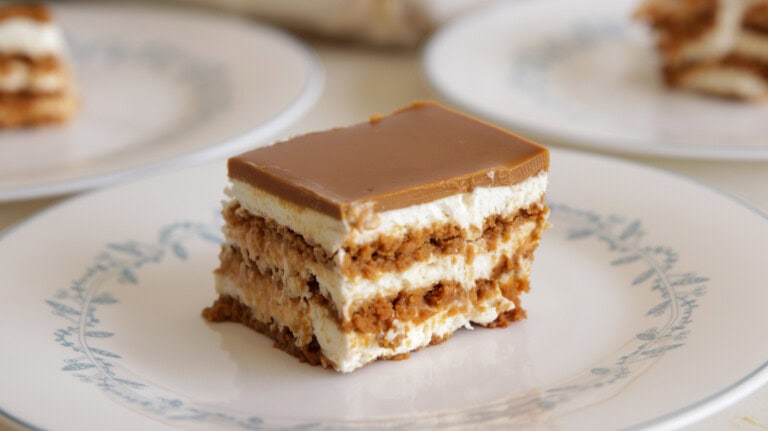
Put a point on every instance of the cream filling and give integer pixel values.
(30, 37)
(752, 44)
(726, 81)
(316, 228)
(746, 43)
(351, 350)
(467, 210)
(19, 78)
(721, 38)
(345, 293)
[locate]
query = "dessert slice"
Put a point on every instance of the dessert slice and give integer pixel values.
(376, 240)
(35, 83)
(717, 47)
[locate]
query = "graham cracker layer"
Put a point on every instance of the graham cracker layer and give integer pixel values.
(265, 239)
(265, 293)
(677, 23)
(389, 254)
(673, 74)
(756, 18)
(377, 315)
(46, 63)
(272, 302)
(32, 11)
(34, 109)
(681, 76)
(229, 309)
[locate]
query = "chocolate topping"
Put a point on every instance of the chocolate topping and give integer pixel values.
(419, 154)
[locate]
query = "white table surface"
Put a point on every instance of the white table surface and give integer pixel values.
(360, 82)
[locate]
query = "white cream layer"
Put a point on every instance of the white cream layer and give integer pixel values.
(350, 350)
(30, 37)
(752, 44)
(19, 77)
(467, 210)
(731, 82)
(346, 292)
(743, 42)
(725, 37)
(719, 40)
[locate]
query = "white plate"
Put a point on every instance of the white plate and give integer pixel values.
(647, 309)
(584, 74)
(160, 87)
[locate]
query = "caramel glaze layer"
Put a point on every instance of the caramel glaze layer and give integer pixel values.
(263, 237)
(418, 154)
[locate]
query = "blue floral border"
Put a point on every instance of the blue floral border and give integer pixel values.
(122, 262)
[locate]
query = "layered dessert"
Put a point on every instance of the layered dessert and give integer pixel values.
(35, 83)
(379, 239)
(717, 47)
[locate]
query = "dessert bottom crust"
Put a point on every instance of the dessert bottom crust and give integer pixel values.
(731, 72)
(229, 309)
(36, 109)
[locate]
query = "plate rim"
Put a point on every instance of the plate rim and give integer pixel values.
(241, 140)
(684, 416)
(577, 141)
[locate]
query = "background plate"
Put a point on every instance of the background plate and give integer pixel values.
(647, 308)
(582, 73)
(153, 97)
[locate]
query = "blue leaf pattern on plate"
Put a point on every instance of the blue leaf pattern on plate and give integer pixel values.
(122, 261)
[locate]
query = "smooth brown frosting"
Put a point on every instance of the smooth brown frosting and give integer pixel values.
(418, 154)
(35, 12)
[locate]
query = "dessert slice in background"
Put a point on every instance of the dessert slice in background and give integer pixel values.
(35, 82)
(718, 47)
(379, 239)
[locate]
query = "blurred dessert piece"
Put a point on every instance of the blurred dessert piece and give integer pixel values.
(717, 47)
(35, 83)
(387, 23)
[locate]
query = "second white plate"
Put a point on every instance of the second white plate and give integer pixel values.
(160, 87)
(583, 73)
